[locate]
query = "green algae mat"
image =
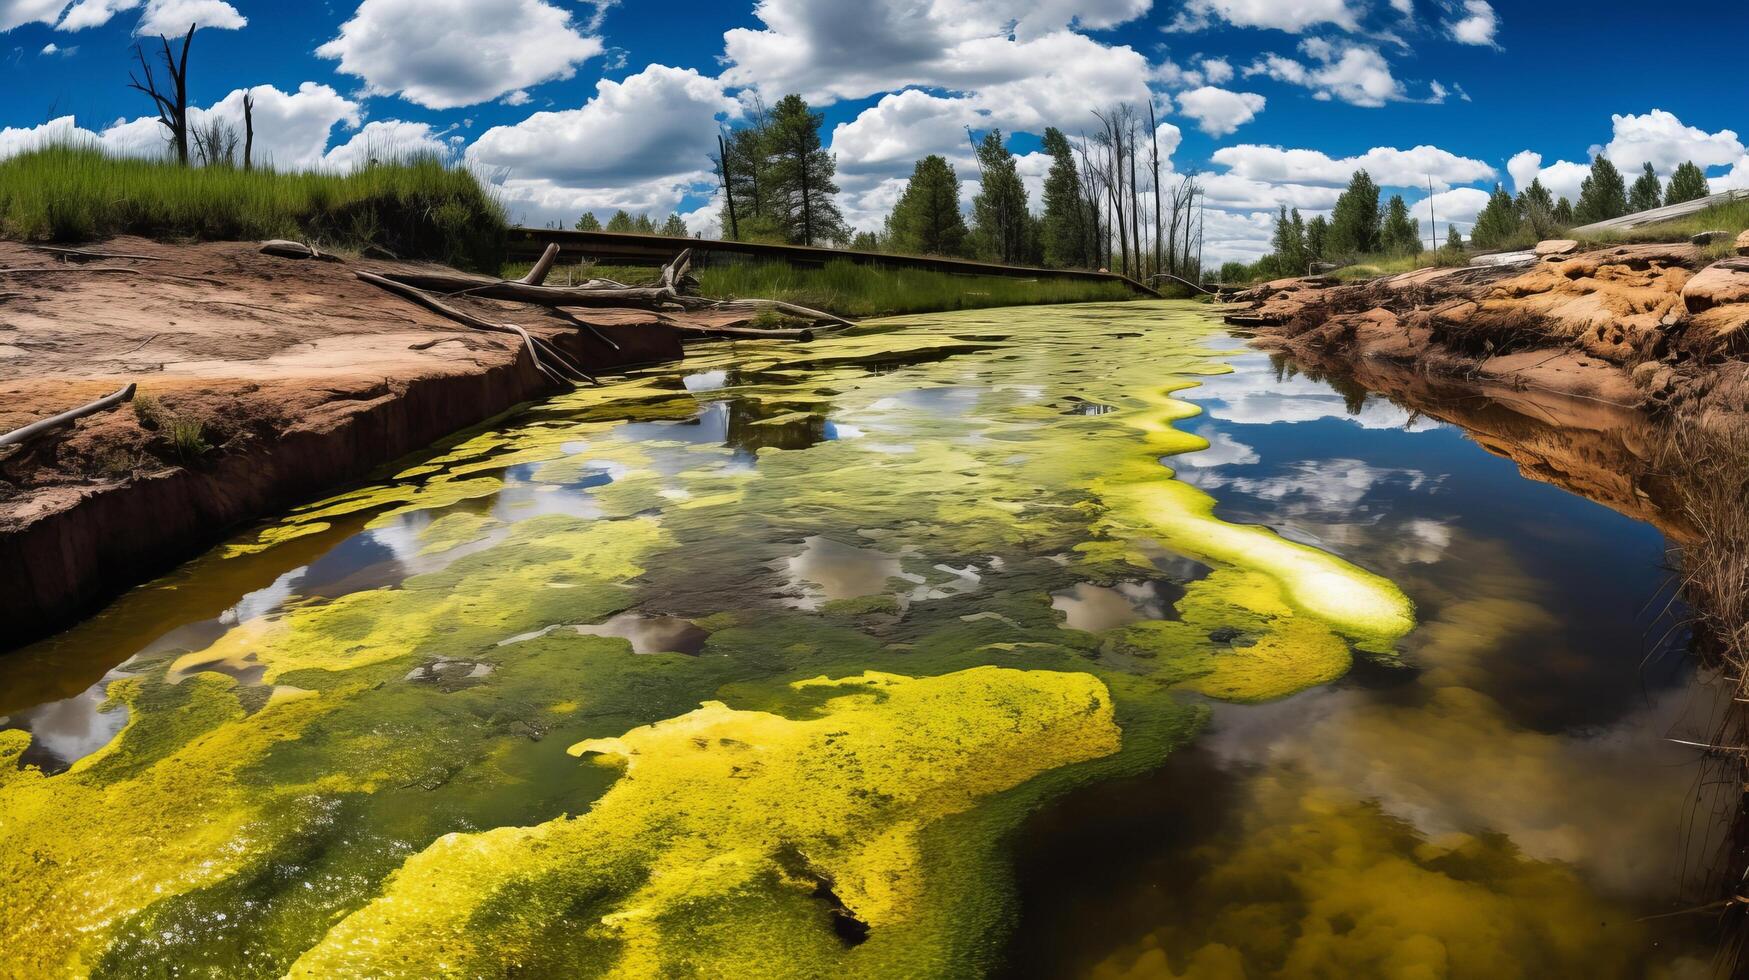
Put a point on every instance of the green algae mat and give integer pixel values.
(747, 666)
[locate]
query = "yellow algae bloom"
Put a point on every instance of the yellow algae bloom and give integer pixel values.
(1144, 498)
(510, 588)
(735, 840)
(87, 849)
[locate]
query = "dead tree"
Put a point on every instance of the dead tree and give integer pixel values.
(1154, 164)
(728, 187)
(172, 105)
(248, 131)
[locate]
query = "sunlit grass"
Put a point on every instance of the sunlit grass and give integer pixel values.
(849, 289)
(1731, 216)
(415, 207)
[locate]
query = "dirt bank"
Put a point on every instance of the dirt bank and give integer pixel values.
(262, 380)
(1636, 326)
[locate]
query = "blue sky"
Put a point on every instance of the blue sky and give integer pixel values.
(574, 106)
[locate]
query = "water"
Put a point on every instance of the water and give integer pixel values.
(896, 654)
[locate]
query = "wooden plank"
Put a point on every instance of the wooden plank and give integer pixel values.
(615, 248)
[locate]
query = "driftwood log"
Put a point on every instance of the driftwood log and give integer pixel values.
(534, 347)
(34, 429)
(667, 293)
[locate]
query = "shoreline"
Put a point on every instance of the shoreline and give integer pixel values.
(263, 382)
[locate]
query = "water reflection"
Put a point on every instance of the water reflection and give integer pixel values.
(1095, 608)
(65, 731)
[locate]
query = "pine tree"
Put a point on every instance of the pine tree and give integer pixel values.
(927, 219)
(620, 222)
(1354, 225)
(1564, 213)
(868, 241)
(999, 215)
(801, 175)
(1401, 234)
(1497, 224)
(1453, 240)
(749, 163)
(1290, 243)
(674, 227)
(643, 225)
(1603, 195)
(1536, 208)
(589, 222)
(1688, 183)
(1646, 193)
(1064, 232)
(1317, 235)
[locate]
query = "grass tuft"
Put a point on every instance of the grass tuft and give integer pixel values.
(415, 207)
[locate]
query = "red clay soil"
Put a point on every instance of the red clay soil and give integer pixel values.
(300, 377)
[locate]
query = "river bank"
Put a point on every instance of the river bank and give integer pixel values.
(261, 381)
(1650, 326)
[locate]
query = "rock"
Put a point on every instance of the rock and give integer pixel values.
(1708, 237)
(1556, 246)
(1743, 243)
(1724, 282)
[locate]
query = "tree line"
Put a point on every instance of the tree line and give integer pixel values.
(1506, 221)
(1358, 228)
(624, 223)
(1104, 202)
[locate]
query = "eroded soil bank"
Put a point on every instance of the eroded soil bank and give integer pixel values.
(262, 381)
(1655, 327)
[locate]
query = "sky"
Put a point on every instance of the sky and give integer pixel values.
(571, 106)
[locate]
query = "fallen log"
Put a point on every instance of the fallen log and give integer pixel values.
(671, 290)
(468, 319)
(80, 253)
(538, 274)
(34, 429)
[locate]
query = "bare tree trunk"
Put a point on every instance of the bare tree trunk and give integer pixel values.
(1154, 162)
(728, 187)
(1135, 205)
(172, 106)
(248, 131)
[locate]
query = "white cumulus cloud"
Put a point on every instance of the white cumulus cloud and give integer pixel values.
(173, 17)
(1354, 73)
(1294, 16)
(1217, 111)
(443, 54)
(1476, 25)
(1389, 166)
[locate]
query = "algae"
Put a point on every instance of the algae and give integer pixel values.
(727, 823)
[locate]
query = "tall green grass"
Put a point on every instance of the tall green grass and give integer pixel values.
(1731, 216)
(418, 207)
(849, 289)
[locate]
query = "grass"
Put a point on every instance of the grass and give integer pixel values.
(849, 289)
(416, 207)
(185, 436)
(1731, 216)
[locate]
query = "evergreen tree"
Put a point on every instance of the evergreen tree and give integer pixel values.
(643, 225)
(927, 219)
(1401, 234)
(999, 215)
(1536, 208)
(1290, 243)
(1564, 213)
(620, 222)
(1646, 193)
(674, 227)
(1235, 272)
(1497, 224)
(749, 163)
(1317, 236)
(1688, 183)
(589, 222)
(1065, 232)
(1453, 240)
(801, 175)
(1603, 195)
(868, 241)
(1354, 225)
